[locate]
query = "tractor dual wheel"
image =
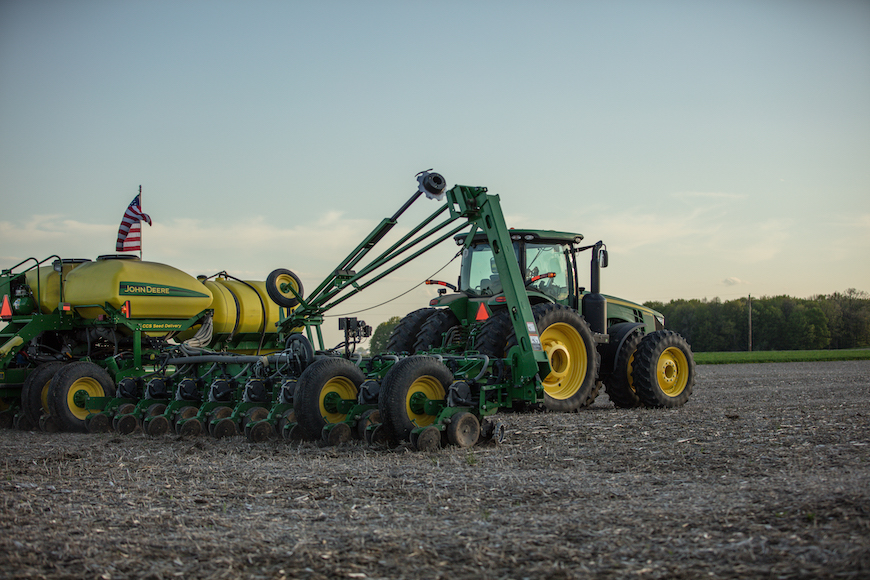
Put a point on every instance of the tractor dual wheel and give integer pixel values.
(406, 389)
(663, 371)
(69, 390)
(404, 335)
(432, 330)
(278, 285)
(620, 385)
(323, 389)
(567, 339)
(34, 392)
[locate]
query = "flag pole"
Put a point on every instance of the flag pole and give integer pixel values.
(141, 229)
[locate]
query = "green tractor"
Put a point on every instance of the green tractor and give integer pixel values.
(589, 338)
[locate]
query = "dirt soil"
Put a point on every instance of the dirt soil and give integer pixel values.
(764, 473)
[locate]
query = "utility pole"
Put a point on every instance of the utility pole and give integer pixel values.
(750, 323)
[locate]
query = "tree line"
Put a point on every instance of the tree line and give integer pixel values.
(834, 321)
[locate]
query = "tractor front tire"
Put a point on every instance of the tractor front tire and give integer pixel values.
(69, 389)
(311, 401)
(663, 371)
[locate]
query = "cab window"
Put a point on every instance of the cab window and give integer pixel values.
(479, 275)
(543, 259)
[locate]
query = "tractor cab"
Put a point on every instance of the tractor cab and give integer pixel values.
(545, 258)
(548, 261)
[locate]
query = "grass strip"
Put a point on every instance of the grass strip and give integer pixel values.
(718, 358)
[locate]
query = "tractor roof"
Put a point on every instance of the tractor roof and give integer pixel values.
(530, 236)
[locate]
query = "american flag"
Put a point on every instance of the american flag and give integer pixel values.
(130, 232)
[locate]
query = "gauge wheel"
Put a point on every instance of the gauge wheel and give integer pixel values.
(278, 285)
(34, 392)
(71, 387)
(323, 391)
(406, 389)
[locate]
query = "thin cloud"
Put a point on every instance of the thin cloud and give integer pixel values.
(697, 225)
(733, 281)
(194, 245)
(714, 195)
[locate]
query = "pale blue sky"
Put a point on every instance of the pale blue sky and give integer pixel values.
(718, 148)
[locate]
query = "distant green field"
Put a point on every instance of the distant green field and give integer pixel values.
(719, 358)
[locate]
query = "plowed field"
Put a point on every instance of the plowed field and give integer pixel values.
(764, 473)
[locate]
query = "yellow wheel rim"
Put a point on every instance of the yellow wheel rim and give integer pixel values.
(568, 361)
(83, 386)
(429, 387)
(672, 372)
(289, 281)
(629, 369)
(345, 389)
(43, 395)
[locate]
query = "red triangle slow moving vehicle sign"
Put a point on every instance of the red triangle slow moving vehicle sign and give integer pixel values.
(6, 309)
(482, 314)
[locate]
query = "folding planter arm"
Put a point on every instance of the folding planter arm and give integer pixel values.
(470, 206)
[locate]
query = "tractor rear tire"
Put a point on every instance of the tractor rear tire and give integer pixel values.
(663, 371)
(620, 385)
(273, 287)
(432, 331)
(324, 376)
(67, 388)
(494, 335)
(34, 392)
(567, 340)
(417, 374)
(404, 335)
(566, 337)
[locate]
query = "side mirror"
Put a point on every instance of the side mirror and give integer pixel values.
(602, 258)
